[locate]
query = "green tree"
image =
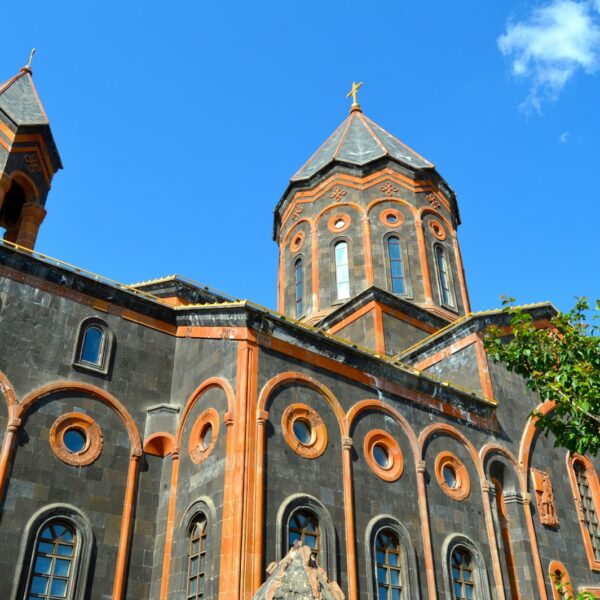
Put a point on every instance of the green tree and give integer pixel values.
(561, 363)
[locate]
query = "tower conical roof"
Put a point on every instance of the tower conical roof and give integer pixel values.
(298, 577)
(359, 141)
(20, 102)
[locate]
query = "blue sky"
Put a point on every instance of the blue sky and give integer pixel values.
(180, 125)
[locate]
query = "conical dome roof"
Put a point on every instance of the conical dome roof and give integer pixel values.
(20, 101)
(358, 141)
(298, 577)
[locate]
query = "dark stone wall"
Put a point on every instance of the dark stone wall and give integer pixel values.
(360, 332)
(399, 335)
(460, 368)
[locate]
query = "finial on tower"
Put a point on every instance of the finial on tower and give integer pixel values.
(27, 67)
(352, 92)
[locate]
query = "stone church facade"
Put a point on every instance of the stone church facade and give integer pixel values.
(162, 441)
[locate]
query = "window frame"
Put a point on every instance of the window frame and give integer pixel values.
(328, 538)
(105, 349)
(202, 551)
(405, 266)
(554, 569)
(299, 260)
(82, 556)
(480, 575)
(437, 247)
(349, 265)
(595, 492)
(408, 556)
(202, 506)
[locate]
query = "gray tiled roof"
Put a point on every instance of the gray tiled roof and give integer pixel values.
(359, 141)
(20, 102)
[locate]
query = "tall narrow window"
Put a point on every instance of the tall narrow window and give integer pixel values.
(92, 345)
(389, 575)
(304, 527)
(53, 564)
(463, 582)
(299, 287)
(396, 265)
(444, 280)
(342, 272)
(196, 581)
(589, 509)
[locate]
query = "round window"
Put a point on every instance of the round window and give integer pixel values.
(436, 228)
(449, 476)
(391, 217)
(302, 431)
(339, 223)
(206, 437)
(74, 440)
(452, 475)
(203, 436)
(382, 457)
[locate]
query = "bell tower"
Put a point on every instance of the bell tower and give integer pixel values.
(366, 211)
(28, 159)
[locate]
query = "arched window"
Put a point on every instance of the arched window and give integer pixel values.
(196, 578)
(444, 277)
(299, 272)
(342, 271)
(304, 527)
(93, 346)
(397, 277)
(560, 581)
(390, 580)
(463, 582)
(589, 510)
(465, 574)
(51, 576)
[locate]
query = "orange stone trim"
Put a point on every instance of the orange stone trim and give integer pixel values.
(379, 437)
(557, 572)
(595, 490)
(345, 217)
(159, 444)
(462, 488)
(318, 442)
(391, 212)
(461, 274)
(90, 430)
(437, 229)
(198, 449)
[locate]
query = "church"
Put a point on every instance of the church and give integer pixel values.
(163, 441)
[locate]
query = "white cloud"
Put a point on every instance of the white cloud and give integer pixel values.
(555, 42)
(564, 136)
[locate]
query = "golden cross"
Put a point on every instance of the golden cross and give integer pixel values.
(352, 92)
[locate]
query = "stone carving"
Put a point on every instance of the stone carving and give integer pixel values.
(297, 212)
(298, 577)
(389, 189)
(544, 496)
(337, 194)
(435, 203)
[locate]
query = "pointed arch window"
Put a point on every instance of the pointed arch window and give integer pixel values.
(444, 277)
(304, 528)
(196, 579)
(53, 565)
(390, 584)
(342, 270)
(299, 275)
(396, 264)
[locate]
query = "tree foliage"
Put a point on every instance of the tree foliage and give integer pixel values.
(561, 363)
